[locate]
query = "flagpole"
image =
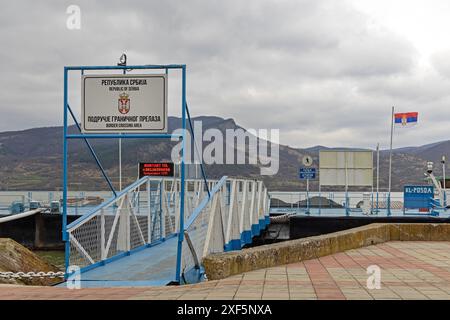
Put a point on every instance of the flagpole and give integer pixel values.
(390, 166)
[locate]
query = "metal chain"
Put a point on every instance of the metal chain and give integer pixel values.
(29, 275)
(282, 218)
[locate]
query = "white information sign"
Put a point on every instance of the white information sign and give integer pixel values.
(345, 168)
(124, 103)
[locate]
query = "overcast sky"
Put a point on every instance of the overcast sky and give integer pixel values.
(322, 71)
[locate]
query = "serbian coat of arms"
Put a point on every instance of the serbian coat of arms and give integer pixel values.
(404, 120)
(124, 103)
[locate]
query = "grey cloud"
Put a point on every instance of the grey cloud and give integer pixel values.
(441, 63)
(311, 68)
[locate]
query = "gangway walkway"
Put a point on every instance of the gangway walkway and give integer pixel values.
(133, 239)
(132, 236)
(152, 266)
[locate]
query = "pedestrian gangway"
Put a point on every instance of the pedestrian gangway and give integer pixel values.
(137, 237)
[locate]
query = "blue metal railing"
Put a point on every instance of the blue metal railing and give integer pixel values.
(350, 204)
(107, 203)
(205, 202)
(66, 137)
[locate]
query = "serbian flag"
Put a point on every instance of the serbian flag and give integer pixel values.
(406, 119)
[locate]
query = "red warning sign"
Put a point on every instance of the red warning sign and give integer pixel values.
(156, 169)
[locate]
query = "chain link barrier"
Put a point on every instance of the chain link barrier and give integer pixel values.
(30, 275)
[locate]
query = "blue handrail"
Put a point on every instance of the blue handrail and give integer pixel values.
(107, 202)
(204, 202)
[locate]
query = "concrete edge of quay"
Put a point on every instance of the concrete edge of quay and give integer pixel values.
(222, 265)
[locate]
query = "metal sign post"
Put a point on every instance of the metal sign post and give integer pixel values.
(307, 196)
(123, 62)
(307, 174)
(122, 106)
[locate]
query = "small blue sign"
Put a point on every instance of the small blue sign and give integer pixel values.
(418, 197)
(307, 173)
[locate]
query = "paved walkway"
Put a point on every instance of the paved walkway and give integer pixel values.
(409, 270)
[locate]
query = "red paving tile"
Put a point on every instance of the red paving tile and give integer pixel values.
(407, 261)
(324, 284)
(329, 261)
(337, 276)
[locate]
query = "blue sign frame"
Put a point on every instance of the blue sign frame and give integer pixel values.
(307, 173)
(86, 136)
(418, 197)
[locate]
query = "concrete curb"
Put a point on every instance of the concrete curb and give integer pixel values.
(222, 265)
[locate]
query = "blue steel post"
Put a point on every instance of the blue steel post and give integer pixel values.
(307, 196)
(68, 136)
(64, 213)
(371, 203)
(389, 204)
(161, 190)
(160, 214)
(93, 152)
(377, 203)
(183, 145)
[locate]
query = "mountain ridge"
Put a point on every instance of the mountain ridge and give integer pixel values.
(31, 159)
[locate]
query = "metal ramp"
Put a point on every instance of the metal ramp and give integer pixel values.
(128, 238)
(153, 266)
(133, 239)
